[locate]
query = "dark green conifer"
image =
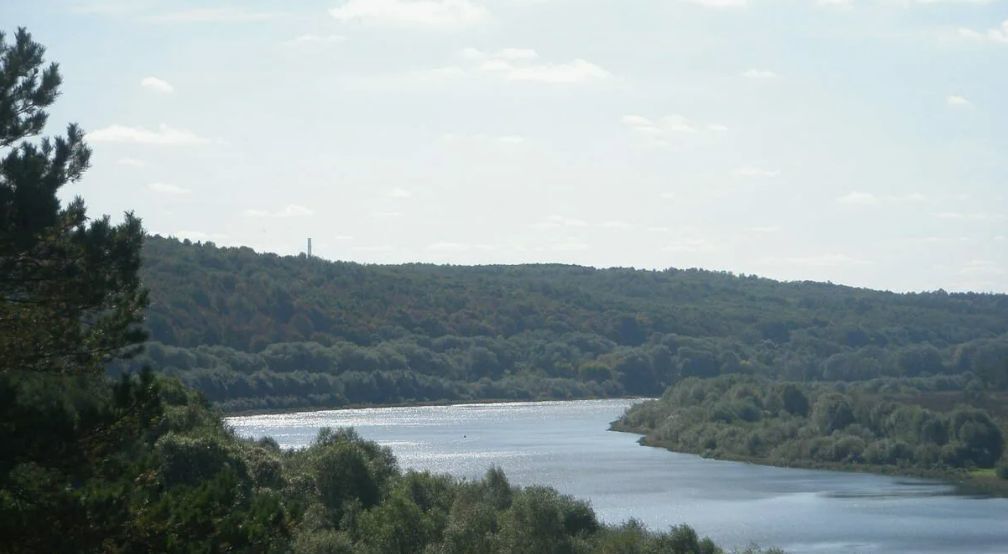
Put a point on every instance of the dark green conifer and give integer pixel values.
(70, 296)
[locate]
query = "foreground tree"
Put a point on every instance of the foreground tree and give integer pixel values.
(70, 296)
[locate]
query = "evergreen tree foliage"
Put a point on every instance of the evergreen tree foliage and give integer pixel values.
(70, 294)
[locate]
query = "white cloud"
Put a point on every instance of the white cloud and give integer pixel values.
(847, 4)
(677, 124)
(212, 15)
(508, 54)
(157, 85)
(720, 3)
(164, 135)
(858, 198)
(399, 192)
(420, 78)
(971, 34)
(568, 246)
(167, 188)
(130, 162)
(291, 210)
(316, 40)
(373, 248)
(385, 215)
(751, 172)
(765, 229)
(754, 73)
(448, 246)
(982, 267)
(483, 139)
(820, 260)
(517, 54)
(667, 130)
(998, 34)
(969, 216)
(936, 240)
(104, 7)
(519, 64)
(957, 101)
(432, 13)
(689, 244)
(557, 221)
(576, 71)
(470, 53)
(615, 224)
(510, 64)
(637, 121)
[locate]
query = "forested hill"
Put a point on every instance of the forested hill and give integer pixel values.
(259, 330)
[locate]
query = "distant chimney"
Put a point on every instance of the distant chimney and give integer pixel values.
(309, 247)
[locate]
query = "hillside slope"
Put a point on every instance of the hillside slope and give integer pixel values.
(259, 330)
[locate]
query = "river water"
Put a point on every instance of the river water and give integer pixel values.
(566, 445)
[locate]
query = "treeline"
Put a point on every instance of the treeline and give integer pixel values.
(261, 331)
(878, 424)
(290, 375)
(146, 466)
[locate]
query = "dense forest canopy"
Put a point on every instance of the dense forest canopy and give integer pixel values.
(256, 330)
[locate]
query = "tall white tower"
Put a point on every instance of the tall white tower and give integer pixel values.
(309, 247)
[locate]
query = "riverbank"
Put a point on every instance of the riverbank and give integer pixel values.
(977, 482)
(836, 426)
(420, 403)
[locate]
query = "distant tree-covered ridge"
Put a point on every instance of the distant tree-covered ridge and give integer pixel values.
(255, 330)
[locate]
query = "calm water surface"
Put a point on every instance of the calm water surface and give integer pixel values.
(567, 445)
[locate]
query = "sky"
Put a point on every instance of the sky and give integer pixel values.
(855, 141)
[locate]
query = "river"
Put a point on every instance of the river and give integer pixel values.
(567, 445)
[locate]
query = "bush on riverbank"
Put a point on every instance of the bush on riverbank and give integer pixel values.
(750, 418)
